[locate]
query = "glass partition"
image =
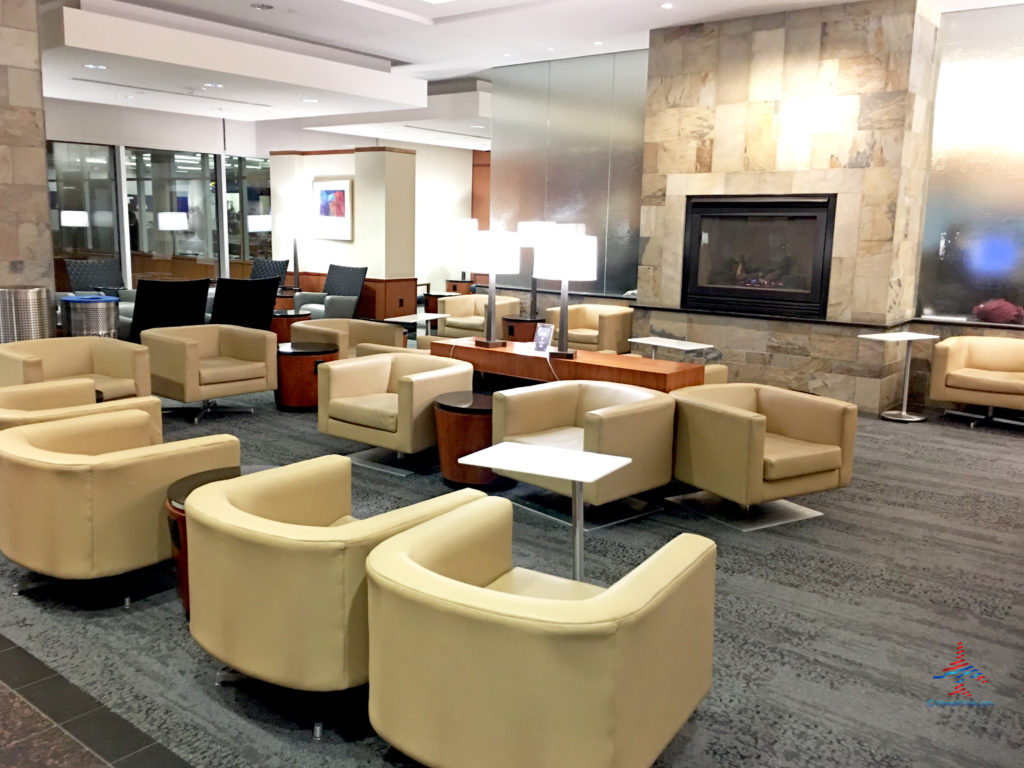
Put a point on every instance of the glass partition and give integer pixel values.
(172, 214)
(83, 209)
(247, 197)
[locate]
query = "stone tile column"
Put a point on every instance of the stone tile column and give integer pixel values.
(26, 246)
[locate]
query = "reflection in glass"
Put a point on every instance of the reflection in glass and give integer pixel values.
(163, 182)
(248, 206)
(82, 193)
(972, 260)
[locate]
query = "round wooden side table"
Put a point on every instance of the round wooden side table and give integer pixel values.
(458, 286)
(297, 364)
(282, 319)
(463, 421)
(521, 328)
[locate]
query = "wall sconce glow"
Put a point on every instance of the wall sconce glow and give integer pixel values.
(258, 222)
(74, 218)
(170, 221)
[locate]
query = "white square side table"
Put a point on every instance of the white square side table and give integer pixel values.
(909, 337)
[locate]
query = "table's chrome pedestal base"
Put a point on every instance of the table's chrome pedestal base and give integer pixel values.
(901, 416)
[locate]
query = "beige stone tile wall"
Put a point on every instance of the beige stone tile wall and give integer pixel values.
(836, 100)
(26, 247)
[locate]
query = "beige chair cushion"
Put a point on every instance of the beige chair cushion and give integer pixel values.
(469, 323)
(111, 387)
(583, 335)
(788, 457)
(1006, 382)
(523, 581)
(570, 438)
(217, 370)
(376, 411)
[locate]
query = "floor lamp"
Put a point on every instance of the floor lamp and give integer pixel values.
(566, 254)
(495, 252)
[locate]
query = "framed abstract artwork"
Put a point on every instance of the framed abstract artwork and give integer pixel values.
(332, 214)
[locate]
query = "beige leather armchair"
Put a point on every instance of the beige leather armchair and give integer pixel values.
(468, 314)
(596, 416)
(751, 443)
(65, 399)
(84, 497)
(193, 363)
(596, 327)
(362, 350)
(117, 368)
(979, 370)
(276, 571)
(387, 400)
(348, 333)
(474, 662)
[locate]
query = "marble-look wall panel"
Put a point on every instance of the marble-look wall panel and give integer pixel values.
(835, 99)
(26, 248)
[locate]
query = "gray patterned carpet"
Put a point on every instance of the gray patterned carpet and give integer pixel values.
(828, 631)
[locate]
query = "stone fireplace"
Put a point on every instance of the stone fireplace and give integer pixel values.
(833, 101)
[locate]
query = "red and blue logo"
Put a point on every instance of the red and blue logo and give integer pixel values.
(960, 671)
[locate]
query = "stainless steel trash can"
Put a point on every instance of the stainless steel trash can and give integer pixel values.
(26, 312)
(90, 315)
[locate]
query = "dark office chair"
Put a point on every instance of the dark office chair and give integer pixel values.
(339, 296)
(168, 303)
(90, 274)
(249, 303)
(264, 268)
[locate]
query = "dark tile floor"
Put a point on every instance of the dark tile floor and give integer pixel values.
(47, 721)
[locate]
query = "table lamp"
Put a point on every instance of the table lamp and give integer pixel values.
(566, 254)
(495, 252)
(530, 234)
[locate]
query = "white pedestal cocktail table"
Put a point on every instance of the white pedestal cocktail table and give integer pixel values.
(909, 338)
(560, 463)
(661, 341)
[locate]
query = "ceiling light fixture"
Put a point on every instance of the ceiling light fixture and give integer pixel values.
(507, 55)
(598, 42)
(95, 66)
(551, 49)
(311, 101)
(213, 85)
(262, 6)
(478, 126)
(667, 6)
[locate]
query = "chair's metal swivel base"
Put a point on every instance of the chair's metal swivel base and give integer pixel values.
(208, 407)
(983, 418)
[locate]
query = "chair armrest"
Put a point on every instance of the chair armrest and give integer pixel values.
(353, 377)
(174, 364)
(41, 396)
(307, 330)
(249, 344)
(457, 306)
(720, 448)
(631, 429)
(123, 360)
(947, 356)
(369, 332)
(614, 330)
(19, 367)
(416, 395)
(126, 294)
(308, 297)
(340, 306)
(525, 410)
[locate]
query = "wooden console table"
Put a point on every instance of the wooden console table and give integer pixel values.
(661, 375)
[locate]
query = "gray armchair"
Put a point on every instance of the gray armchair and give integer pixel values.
(339, 296)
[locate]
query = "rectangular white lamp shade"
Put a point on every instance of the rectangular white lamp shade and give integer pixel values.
(531, 233)
(74, 218)
(566, 255)
(494, 251)
(169, 221)
(258, 223)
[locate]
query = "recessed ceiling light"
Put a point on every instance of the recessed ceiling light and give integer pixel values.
(262, 6)
(551, 49)
(213, 85)
(95, 66)
(478, 126)
(598, 42)
(507, 55)
(667, 6)
(125, 96)
(311, 101)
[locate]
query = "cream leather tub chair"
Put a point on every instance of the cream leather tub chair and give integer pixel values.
(979, 370)
(595, 327)
(596, 416)
(474, 662)
(468, 314)
(347, 334)
(65, 399)
(387, 400)
(84, 497)
(117, 368)
(276, 571)
(197, 363)
(752, 443)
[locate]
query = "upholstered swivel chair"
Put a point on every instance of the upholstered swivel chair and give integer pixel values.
(387, 400)
(116, 368)
(248, 303)
(474, 662)
(596, 327)
(84, 497)
(347, 333)
(168, 303)
(94, 274)
(467, 314)
(277, 585)
(340, 295)
(596, 416)
(197, 363)
(66, 399)
(979, 370)
(752, 443)
(264, 268)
